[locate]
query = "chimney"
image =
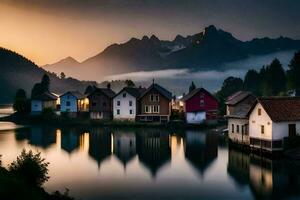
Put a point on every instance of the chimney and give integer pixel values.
(108, 86)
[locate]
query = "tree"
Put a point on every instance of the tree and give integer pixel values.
(62, 75)
(20, 102)
(274, 79)
(192, 86)
(252, 81)
(293, 73)
(31, 167)
(45, 82)
(129, 83)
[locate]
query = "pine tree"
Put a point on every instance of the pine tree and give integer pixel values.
(293, 73)
(192, 86)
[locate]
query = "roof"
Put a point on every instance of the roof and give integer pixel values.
(46, 96)
(106, 91)
(194, 92)
(241, 109)
(160, 89)
(76, 94)
(237, 97)
(135, 92)
(280, 109)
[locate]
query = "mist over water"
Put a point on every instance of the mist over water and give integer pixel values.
(178, 80)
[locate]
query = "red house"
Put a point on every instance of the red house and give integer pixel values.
(200, 106)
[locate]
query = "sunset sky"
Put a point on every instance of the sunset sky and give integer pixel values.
(49, 30)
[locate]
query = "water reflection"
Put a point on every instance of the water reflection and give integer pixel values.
(267, 179)
(143, 161)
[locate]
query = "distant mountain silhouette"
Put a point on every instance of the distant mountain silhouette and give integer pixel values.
(66, 65)
(204, 50)
(19, 72)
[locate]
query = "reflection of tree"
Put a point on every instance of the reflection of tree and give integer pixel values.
(100, 144)
(238, 166)
(69, 139)
(201, 149)
(153, 149)
(40, 136)
(124, 146)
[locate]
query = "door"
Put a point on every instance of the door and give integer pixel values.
(292, 130)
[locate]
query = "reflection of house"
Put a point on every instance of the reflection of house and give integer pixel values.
(125, 103)
(124, 146)
(47, 100)
(100, 144)
(273, 119)
(238, 106)
(155, 104)
(238, 166)
(73, 102)
(274, 179)
(201, 149)
(69, 139)
(153, 147)
(101, 103)
(200, 106)
(177, 105)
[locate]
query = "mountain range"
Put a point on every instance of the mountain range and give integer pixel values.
(19, 72)
(206, 50)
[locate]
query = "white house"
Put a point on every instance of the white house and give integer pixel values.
(125, 103)
(237, 108)
(273, 119)
(73, 102)
(43, 101)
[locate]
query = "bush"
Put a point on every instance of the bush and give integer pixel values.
(48, 113)
(31, 167)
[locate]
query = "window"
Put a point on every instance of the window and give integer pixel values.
(232, 128)
(94, 104)
(124, 95)
(118, 111)
(157, 98)
(262, 129)
(237, 128)
(259, 111)
(130, 103)
(104, 104)
(243, 131)
(118, 103)
(154, 97)
(201, 102)
(151, 97)
(147, 109)
(68, 103)
(155, 109)
(130, 112)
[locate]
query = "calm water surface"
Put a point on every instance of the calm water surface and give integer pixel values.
(102, 163)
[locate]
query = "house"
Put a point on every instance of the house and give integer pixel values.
(271, 120)
(237, 108)
(155, 104)
(73, 103)
(46, 100)
(200, 106)
(125, 103)
(100, 106)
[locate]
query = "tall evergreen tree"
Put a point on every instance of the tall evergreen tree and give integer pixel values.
(20, 103)
(45, 82)
(192, 86)
(293, 74)
(274, 79)
(252, 81)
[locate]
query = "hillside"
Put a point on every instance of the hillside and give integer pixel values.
(19, 72)
(205, 50)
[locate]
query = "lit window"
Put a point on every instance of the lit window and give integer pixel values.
(262, 129)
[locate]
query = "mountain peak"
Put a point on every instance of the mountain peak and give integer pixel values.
(210, 30)
(145, 37)
(154, 38)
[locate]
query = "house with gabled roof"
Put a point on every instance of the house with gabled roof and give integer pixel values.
(125, 103)
(100, 103)
(43, 101)
(73, 102)
(271, 120)
(155, 104)
(237, 108)
(200, 106)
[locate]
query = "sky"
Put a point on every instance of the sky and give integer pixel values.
(46, 31)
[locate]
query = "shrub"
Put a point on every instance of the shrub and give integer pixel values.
(31, 167)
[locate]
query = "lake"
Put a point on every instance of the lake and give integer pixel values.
(104, 163)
